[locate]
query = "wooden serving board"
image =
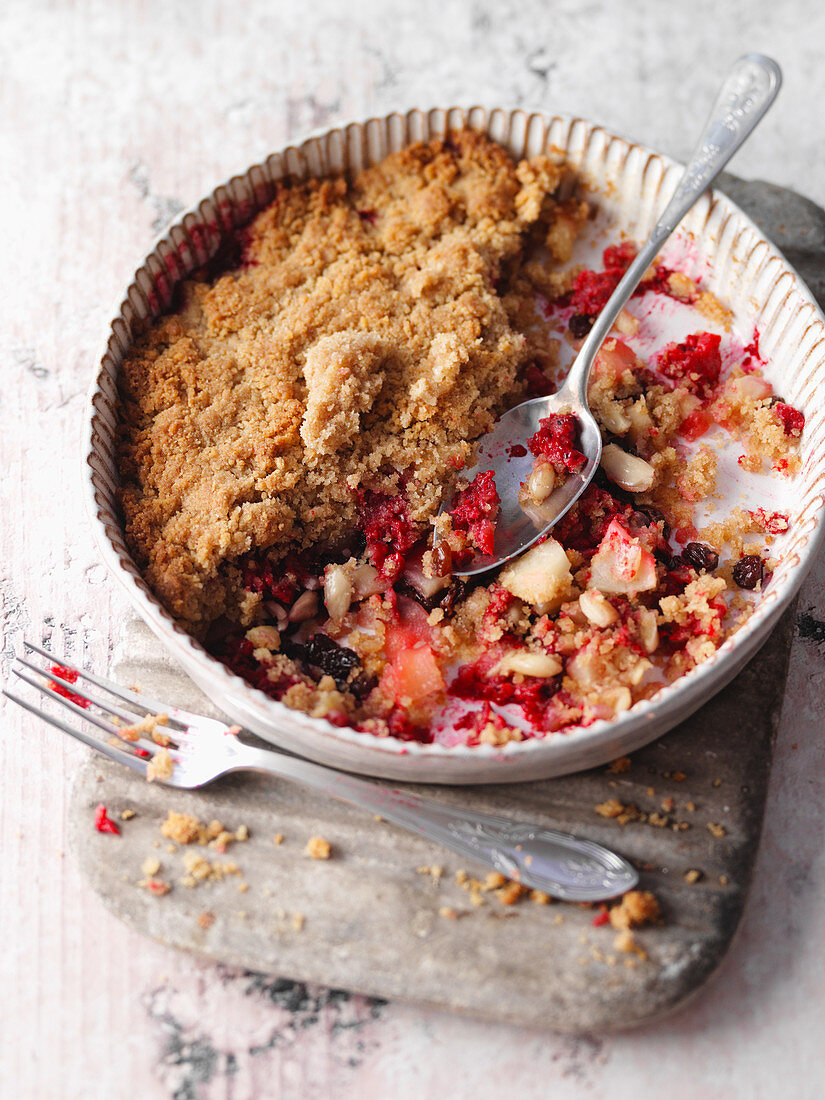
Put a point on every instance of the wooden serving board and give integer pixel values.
(371, 921)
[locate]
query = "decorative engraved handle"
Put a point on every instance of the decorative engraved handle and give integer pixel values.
(559, 864)
(743, 99)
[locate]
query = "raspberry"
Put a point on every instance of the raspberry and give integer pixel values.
(695, 362)
(556, 439)
(387, 527)
(695, 425)
(475, 509)
(103, 823)
(793, 421)
(591, 290)
(618, 257)
(70, 676)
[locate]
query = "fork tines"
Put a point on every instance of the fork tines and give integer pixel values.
(60, 682)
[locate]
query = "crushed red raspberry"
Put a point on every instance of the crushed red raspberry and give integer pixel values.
(282, 582)
(600, 919)
(387, 526)
(103, 823)
(618, 257)
(536, 381)
(557, 440)
(695, 362)
(70, 676)
(401, 727)
(793, 421)
(775, 523)
(695, 425)
(591, 290)
(475, 509)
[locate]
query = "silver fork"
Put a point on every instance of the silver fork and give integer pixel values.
(201, 749)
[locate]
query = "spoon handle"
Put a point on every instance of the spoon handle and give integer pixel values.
(743, 99)
(563, 866)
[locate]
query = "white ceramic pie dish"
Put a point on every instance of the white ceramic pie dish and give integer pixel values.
(630, 184)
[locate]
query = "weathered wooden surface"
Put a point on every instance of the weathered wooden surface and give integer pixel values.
(115, 116)
(372, 920)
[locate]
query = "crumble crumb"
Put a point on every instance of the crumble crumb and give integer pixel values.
(160, 767)
(692, 876)
(318, 848)
(716, 830)
(150, 867)
(206, 919)
(626, 943)
(298, 920)
(155, 886)
(636, 907)
(619, 766)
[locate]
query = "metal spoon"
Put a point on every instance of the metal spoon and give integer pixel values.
(743, 99)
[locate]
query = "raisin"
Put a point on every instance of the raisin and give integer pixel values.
(580, 324)
(332, 659)
(747, 572)
(442, 559)
(702, 558)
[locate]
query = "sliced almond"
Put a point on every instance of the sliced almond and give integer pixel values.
(618, 699)
(304, 607)
(529, 664)
(627, 471)
(337, 591)
(541, 482)
(648, 630)
(596, 609)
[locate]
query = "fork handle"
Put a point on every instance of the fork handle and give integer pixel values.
(543, 859)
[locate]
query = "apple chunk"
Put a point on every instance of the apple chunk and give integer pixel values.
(540, 577)
(621, 564)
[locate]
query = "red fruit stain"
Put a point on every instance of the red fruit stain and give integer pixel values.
(103, 823)
(69, 675)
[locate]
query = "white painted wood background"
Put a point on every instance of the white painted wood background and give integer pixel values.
(112, 117)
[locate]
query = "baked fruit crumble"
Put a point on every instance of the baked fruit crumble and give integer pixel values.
(289, 431)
